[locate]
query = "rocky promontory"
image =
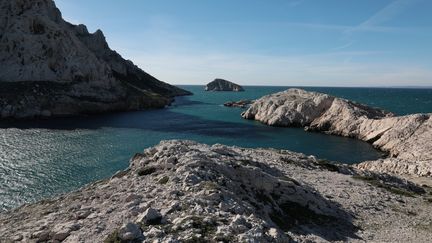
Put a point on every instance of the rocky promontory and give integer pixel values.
(406, 139)
(183, 191)
(223, 85)
(50, 67)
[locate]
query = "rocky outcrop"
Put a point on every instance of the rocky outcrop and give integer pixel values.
(182, 191)
(239, 104)
(407, 139)
(223, 85)
(50, 67)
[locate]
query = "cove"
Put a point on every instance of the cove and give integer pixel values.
(39, 159)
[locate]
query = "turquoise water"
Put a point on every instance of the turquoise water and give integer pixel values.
(40, 159)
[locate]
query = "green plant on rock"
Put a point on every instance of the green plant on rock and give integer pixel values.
(113, 238)
(375, 182)
(164, 180)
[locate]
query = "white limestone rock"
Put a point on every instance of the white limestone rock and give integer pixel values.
(237, 195)
(407, 139)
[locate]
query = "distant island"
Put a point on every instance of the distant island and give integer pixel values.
(50, 67)
(223, 85)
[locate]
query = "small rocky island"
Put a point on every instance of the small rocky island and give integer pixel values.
(223, 85)
(239, 104)
(183, 191)
(406, 139)
(50, 67)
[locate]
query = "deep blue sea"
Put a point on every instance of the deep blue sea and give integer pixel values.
(41, 159)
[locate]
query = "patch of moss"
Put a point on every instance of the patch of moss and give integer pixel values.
(375, 182)
(404, 211)
(205, 227)
(209, 185)
(195, 239)
(424, 227)
(146, 170)
(224, 238)
(164, 180)
(113, 238)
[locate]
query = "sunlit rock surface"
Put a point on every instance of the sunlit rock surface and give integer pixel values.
(50, 67)
(183, 191)
(407, 139)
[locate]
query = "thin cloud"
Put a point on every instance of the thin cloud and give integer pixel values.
(327, 69)
(374, 23)
(386, 14)
(389, 12)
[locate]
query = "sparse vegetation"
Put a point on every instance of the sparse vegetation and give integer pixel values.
(146, 170)
(113, 238)
(209, 185)
(163, 180)
(376, 182)
(328, 165)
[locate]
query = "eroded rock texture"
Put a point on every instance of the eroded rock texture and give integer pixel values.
(183, 191)
(407, 139)
(49, 67)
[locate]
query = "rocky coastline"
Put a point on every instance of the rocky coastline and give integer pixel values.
(406, 139)
(50, 68)
(183, 191)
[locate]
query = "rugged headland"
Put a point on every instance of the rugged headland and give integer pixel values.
(406, 139)
(50, 67)
(183, 191)
(223, 85)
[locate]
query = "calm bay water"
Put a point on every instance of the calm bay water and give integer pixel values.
(44, 158)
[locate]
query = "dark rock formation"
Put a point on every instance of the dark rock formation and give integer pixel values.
(239, 104)
(50, 67)
(223, 85)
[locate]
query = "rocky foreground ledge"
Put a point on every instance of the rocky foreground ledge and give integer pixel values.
(407, 139)
(182, 191)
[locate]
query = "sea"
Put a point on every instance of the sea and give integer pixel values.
(45, 158)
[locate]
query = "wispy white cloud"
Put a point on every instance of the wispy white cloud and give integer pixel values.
(375, 22)
(389, 12)
(327, 69)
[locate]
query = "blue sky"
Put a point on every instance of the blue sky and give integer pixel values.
(278, 42)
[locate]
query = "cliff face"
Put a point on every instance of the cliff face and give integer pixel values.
(407, 139)
(182, 191)
(223, 85)
(51, 67)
